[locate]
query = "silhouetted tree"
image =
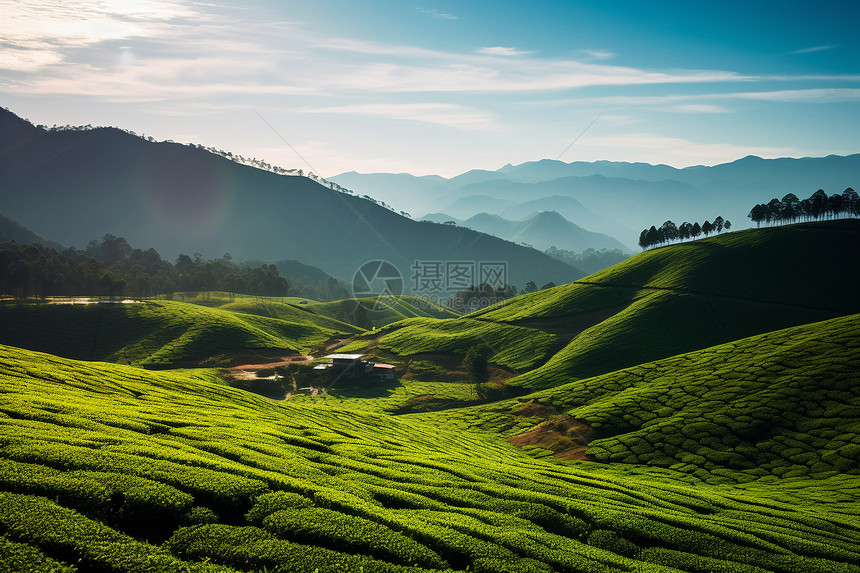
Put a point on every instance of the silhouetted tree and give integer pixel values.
(851, 202)
(668, 232)
(530, 287)
(696, 230)
(819, 204)
(790, 207)
(718, 224)
(757, 214)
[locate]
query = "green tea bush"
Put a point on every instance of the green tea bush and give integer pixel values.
(268, 503)
(252, 548)
(611, 541)
(348, 533)
(61, 531)
(18, 557)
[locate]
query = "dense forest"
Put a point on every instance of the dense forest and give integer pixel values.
(113, 268)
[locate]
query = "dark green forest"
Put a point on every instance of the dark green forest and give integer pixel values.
(114, 268)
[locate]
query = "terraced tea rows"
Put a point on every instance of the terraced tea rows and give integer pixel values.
(110, 467)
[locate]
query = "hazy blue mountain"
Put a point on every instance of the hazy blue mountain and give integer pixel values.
(623, 198)
(441, 218)
(13, 231)
(465, 207)
(547, 229)
(75, 186)
(541, 230)
(400, 190)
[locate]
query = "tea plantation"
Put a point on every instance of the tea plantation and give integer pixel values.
(114, 468)
(694, 408)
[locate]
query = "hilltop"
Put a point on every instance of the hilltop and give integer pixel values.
(657, 304)
(74, 184)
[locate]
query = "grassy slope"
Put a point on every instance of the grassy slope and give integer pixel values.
(156, 333)
(784, 404)
(667, 301)
(110, 467)
(380, 312)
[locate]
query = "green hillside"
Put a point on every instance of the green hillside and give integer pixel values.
(381, 311)
(661, 303)
(113, 468)
(785, 404)
(158, 333)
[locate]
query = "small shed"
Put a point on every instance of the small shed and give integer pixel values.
(352, 366)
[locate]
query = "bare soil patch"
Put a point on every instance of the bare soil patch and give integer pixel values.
(563, 435)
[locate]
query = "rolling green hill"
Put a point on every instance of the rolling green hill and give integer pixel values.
(112, 468)
(785, 404)
(659, 303)
(381, 311)
(159, 333)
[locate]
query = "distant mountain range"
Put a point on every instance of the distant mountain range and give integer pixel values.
(542, 231)
(616, 198)
(13, 231)
(77, 185)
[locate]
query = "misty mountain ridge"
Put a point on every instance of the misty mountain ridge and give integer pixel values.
(541, 230)
(77, 185)
(13, 231)
(622, 197)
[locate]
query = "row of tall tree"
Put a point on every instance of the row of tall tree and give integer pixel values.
(818, 206)
(113, 268)
(669, 232)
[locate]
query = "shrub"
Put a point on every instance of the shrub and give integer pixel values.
(269, 503)
(349, 533)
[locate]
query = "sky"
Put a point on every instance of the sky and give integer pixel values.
(443, 87)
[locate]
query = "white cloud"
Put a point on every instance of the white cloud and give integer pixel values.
(697, 108)
(502, 51)
(434, 13)
(812, 95)
(186, 51)
(449, 115)
(812, 50)
(37, 34)
(600, 54)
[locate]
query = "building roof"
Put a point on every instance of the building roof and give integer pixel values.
(383, 366)
(345, 356)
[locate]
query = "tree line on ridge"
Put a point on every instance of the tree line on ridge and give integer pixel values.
(818, 206)
(669, 231)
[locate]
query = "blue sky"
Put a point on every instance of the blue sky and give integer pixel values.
(442, 87)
